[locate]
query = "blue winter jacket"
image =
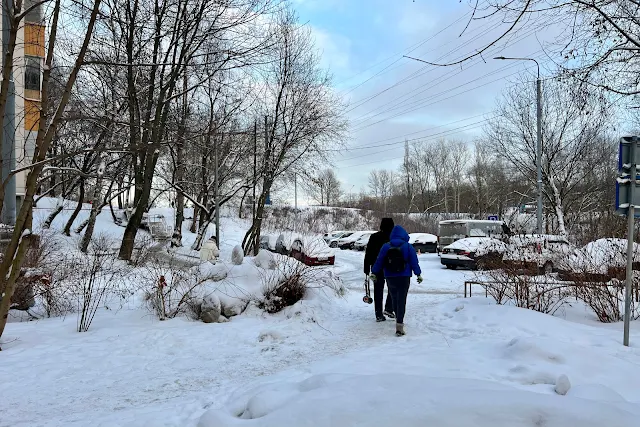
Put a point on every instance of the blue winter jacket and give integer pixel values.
(399, 237)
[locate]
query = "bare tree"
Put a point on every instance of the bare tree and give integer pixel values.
(48, 125)
(302, 114)
(572, 133)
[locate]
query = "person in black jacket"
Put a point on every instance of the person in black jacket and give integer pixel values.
(376, 241)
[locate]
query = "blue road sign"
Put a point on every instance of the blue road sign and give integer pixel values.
(492, 217)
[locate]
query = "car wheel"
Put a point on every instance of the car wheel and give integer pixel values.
(451, 267)
(547, 268)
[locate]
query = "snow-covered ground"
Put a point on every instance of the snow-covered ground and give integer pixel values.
(323, 362)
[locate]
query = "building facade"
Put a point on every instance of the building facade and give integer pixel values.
(27, 74)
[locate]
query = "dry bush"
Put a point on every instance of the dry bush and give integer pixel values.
(171, 288)
(97, 275)
(509, 286)
(291, 281)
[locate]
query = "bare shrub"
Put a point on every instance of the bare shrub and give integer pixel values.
(97, 274)
(172, 289)
(539, 293)
(291, 281)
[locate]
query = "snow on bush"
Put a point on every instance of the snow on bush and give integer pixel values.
(265, 260)
(291, 282)
(237, 255)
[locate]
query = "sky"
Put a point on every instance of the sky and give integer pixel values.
(390, 98)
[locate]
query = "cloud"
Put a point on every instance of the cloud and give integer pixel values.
(335, 50)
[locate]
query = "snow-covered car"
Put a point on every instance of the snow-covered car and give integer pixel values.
(268, 242)
(600, 260)
(472, 252)
(328, 237)
(312, 250)
(284, 242)
(537, 252)
(349, 241)
(424, 242)
(333, 243)
(362, 242)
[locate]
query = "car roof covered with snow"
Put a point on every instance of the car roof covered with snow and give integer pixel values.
(422, 238)
(313, 245)
(524, 239)
(286, 238)
(478, 244)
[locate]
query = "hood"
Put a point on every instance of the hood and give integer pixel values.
(399, 234)
(386, 225)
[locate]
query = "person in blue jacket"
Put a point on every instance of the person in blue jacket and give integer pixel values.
(397, 259)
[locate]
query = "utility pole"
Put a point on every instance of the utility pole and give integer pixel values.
(9, 129)
(216, 188)
(255, 165)
(539, 151)
(538, 139)
(630, 243)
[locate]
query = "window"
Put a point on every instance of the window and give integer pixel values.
(32, 74)
(35, 14)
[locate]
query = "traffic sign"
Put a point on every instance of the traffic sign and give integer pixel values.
(492, 217)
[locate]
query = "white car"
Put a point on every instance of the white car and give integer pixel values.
(349, 241)
(472, 252)
(362, 242)
(333, 243)
(328, 237)
(424, 242)
(541, 252)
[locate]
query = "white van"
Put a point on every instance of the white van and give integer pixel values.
(455, 229)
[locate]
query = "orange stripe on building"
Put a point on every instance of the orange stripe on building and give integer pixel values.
(34, 39)
(31, 115)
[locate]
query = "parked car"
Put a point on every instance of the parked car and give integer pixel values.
(349, 241)
(312, 250)
(451, 230)
(268, 242)
(333, 243)
(362, 242)
(537, 252)
(284, 242)
(472, 252)
(424, 242)
(328, 237)
(599, 261)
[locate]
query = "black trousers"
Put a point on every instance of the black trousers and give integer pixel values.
(378, 295)
(399, 288)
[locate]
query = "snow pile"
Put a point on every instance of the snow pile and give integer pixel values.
(412, 400)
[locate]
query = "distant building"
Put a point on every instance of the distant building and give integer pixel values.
(28, 63)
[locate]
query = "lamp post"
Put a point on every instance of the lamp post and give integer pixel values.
(538, 139)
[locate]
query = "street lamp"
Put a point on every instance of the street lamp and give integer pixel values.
(538, 139)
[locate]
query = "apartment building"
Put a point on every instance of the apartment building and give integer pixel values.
(27, 76)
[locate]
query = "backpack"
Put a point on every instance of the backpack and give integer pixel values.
(394, 261)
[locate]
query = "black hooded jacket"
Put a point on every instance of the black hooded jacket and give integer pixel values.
(376, 241)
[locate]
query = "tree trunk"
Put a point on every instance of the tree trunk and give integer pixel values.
(76, 211)
(95, 208)
(202, 232)
(176, 239)
(59, 206)
(194, 220)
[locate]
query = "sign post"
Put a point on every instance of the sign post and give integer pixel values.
(626, 204)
